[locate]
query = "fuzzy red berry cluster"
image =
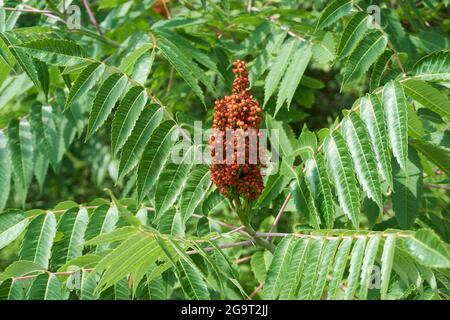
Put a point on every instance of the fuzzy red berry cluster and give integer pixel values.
(239, 113)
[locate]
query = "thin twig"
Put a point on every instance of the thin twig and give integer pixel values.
(284, 28)
(61, 273)
(190, 252)
(169, 84)
(243, 259)
(436, 186)
(224, 246)
(28, 10)
(330, 237)
(279, 215)
(397, 58)
(46, 13)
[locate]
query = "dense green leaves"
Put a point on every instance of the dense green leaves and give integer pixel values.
(295, 271)
(278, 268)
(368, 264)
(324, 50)
(183, 65)
(84, 82)
(170, 222)
(293, 75)
(335, 267)
(197, 184)
(50, 134)
(194, 287)
(72, 225)
(5, 171)
(310, 271)
(167, 234)
(127, 64)
(433, 67)
(27, 64)
(396, 118)
(304, 200)
(169, 186)
(325, 265)
(22, 268)
(133, 253)
(353, 32)
(261, 63)
(340, 261)
(356, 260)
(387, 259)
(317, 177)
(435, 154)
(379, 69)
(259, 263)
(136, 142)
(45, 287)
(11, 289)
(278, 68)
(103, 220)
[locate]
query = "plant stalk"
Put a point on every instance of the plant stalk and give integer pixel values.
(243, 211)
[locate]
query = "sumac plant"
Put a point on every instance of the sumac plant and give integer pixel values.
(348, 100)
